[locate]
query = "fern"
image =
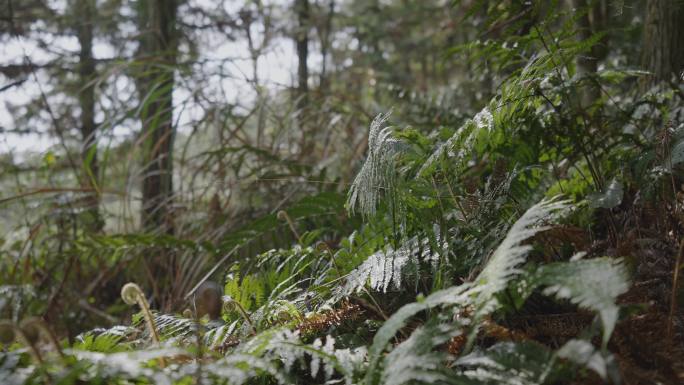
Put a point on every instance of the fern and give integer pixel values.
(584, 354)
(525, 363)
(388, 267)
(285, 347)
(501, 268)
(460, 145)
(415, 360)
(218, 336)
(11, 370)
(248, 291)
(451, 296)
(102, 342)
(594, 284)
(239, 368)
(504, 263)
(131, 365)
(378, 171)
(173, 326)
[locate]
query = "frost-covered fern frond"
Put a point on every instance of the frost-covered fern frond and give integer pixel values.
(378, 171)
(171, 326)
(447, 297)
(286, 348)
(584, 354)
(416, 360)
(460, 145)
(525, 363)
(105, 340)
(131, 365)
(388, 267)
(594, 284)
(239, 369)
(219, 335)
(512, 252)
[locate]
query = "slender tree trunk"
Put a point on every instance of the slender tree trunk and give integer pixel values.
(325, 46)
(591, 21)
(302, 39)
(158, 46)
(663, 48)
(302, 9)
(86, 98)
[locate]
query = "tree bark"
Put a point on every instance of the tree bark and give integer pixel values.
(302, 40)
(325, 46)
(590, 22)
(86, 98)
(157, 52)
(302, 9)
(663, 48)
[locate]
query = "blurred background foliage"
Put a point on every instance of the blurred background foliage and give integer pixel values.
(167, 142)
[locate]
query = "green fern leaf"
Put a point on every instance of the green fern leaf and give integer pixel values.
(504, 263)
(416, 361)
(525, 363)
(593, 284)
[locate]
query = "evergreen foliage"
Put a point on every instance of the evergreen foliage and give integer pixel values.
(515, 219)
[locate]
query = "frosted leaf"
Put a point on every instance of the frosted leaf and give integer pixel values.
(460, 145)
(609, 198)
(484, 119)
(388, 267)
(511, 252)
(378, 172)
(583, 353)
(592, 283)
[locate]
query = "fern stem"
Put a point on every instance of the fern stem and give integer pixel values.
(242, 311)
(675, 283)
(283, 216)
(131, 295)
(322, 246)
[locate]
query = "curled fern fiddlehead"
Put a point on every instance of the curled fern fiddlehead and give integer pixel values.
(132, 295)
(228, 302)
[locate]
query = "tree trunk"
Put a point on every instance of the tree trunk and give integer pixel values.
(302, 39)
(325, 46)
(158, 46)
(663, 49)
(591, 21)
(86, 98)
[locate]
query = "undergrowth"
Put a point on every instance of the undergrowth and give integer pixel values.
(511, 248)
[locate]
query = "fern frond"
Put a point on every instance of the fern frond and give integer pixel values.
(504, 263)
(594, 284)
(447, 297)
(240, 368)
(461, 144)
(378, 172)
(521, 363)
(415, 360)
(132, 365)
(104, 340)
(285, 347)
(387, 267)
(170, 325)
(217, 337)
(584, 354)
